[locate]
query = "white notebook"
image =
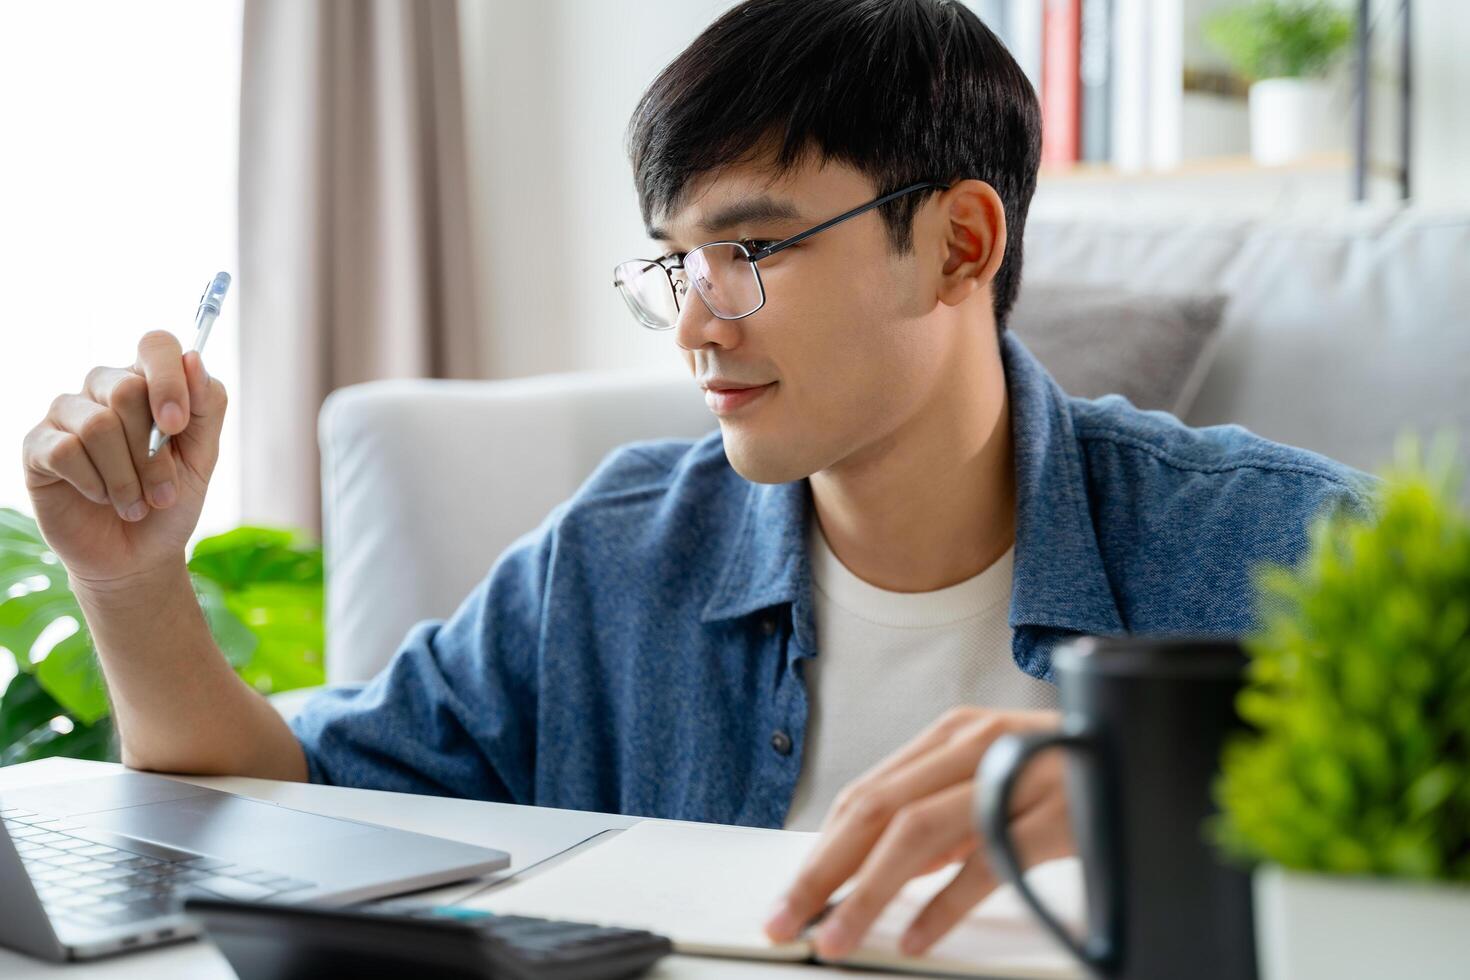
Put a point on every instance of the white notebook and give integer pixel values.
(709, 888)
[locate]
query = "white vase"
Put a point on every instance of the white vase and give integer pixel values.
(1311, 926)
(1293, 118)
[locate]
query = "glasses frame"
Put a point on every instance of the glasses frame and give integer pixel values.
(671, 263)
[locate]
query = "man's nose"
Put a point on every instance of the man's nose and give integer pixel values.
(697, 327)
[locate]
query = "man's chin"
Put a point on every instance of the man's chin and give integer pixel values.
(759, 462)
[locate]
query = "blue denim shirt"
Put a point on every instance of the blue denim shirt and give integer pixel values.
(640, 652)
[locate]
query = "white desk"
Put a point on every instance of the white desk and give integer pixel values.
(531, 835)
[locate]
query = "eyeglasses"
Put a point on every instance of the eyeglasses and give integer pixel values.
(724, 274)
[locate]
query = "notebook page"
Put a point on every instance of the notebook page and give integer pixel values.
(710, 887)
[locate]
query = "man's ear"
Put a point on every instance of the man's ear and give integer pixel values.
(973, 222)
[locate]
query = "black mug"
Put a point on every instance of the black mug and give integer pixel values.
(1143, 721)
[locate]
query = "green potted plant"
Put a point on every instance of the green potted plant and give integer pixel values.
(1286, 49)
(1352, 795)
(261, 592)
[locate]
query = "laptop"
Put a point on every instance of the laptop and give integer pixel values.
(96, 866)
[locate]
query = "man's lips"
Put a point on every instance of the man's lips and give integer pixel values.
(723, 400)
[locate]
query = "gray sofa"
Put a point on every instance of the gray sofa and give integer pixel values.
(1336, 336)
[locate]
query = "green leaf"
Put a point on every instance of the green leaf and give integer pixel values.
(233, 637)
(1281, 38)
(288, 621)
(272, 580)
(15, 526)
(25, 557)
(260, 590)
(1359, 691)
(24, 618)
(1430, 791)
(251, 555)
(24, 708)
(71, 675)
(83, 742)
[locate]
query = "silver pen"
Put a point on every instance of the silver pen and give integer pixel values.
(204, 317)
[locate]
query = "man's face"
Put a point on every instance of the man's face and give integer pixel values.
(844, 346)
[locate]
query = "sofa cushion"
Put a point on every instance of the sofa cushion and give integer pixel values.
(1097, 340)
(1340, 333)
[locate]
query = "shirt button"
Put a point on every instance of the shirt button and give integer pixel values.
(781, 742)
(768, 625)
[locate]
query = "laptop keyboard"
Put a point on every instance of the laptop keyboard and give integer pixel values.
(105, 879)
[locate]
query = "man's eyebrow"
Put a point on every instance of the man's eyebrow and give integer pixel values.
(750, 209)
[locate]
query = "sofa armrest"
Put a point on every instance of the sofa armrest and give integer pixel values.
(425, 483)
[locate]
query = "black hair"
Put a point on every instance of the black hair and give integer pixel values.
(902, 91)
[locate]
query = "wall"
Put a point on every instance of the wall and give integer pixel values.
(1441, 138)
(552, 87)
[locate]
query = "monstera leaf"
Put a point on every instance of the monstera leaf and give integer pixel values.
(271, 582)
(261, 593)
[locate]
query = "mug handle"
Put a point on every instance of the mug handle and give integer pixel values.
(999, 770)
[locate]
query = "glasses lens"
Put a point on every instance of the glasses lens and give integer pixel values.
(725, 278)
(646, 289)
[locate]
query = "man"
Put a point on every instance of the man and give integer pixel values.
(899, 519)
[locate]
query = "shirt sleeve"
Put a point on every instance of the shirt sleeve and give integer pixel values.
(453, 713)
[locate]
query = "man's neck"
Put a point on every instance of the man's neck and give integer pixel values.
(934, 502)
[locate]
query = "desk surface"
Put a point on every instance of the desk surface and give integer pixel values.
(532, 835)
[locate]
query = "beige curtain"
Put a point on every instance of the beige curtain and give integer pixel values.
(355, 242)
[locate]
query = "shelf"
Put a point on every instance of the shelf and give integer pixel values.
(1232, 166)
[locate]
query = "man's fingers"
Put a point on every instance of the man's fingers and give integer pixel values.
(965, 890)
(935, 769)
(160, 361)
(944, 754)
(861, 814)
(960, 852)
(1041, 834)
(946, 763)
(1039, 783)
(920, 832)
(52, 455)
(101, 433)
(126, 393)
(837, 856)
(856, 822)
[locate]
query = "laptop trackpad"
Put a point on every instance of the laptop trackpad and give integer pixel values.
(226, 827)
(78, 796)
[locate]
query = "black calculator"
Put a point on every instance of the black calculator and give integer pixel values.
(277, 941)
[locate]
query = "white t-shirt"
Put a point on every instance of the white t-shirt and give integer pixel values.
(890, 663)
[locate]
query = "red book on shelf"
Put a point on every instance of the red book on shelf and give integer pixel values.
(1061, 101)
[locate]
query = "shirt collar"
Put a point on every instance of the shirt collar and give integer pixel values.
(1059, 578)
(768, 564)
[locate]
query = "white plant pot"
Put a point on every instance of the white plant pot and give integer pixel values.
(1311, 926)
(1293, 118)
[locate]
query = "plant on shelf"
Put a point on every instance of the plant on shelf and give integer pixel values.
(1353, 791)
(1281, 38)
(261, 593)
(1287, 49)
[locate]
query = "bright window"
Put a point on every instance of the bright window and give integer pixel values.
(119, 127)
